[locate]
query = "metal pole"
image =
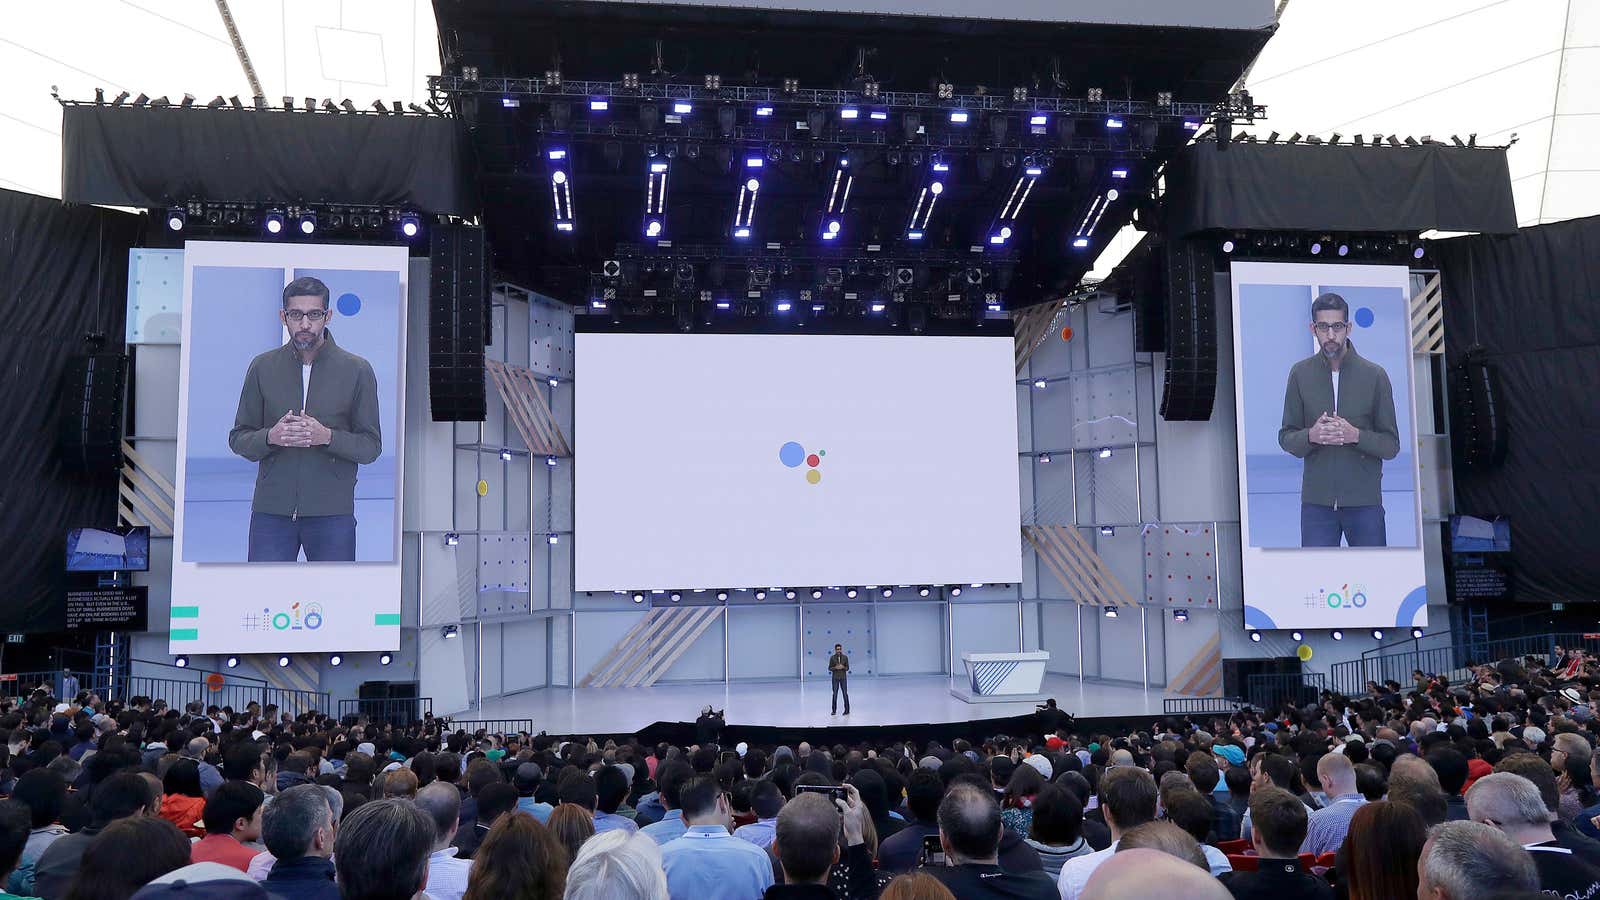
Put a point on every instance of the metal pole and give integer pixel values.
(724, 642)
(1144, 641)
(1022, 645)
(1080, 645)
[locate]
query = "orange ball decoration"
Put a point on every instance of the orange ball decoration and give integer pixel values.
(214, 681)
(1066, 333)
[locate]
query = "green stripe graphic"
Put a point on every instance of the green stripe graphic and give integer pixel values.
(186, 612)
(386, 619)
(186, 634)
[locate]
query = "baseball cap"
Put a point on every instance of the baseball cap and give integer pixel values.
(1230, 752)
(1041, 764)
(1054, 743)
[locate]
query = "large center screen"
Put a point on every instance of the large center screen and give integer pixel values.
(733, 461)
(1330, 511)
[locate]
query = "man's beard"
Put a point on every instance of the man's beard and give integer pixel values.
(304, 340)
(1332, 348)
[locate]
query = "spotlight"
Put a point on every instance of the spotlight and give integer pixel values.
(1417, 252)
(1296, 636)
(1416, 633)
(1044, 457)
(722, 595)
(851, 593)
(1110, 612)
(1377, 634)
(385, 658)
(1180, 615)
(1040, 384)
(1104, 453)
(1227, 246)
(336, 660)
(410, 224)
(675, 596)
(308, 222)
(505, 455)
(682, 108)
(887, 593)
(849, 112)
(638, 598)
(181, 662)
(175, 218)
(1344, 250)
(1113, 122)
(764, 111)
(1316, 248)
(1255, 636)
(451, 539)
(816, 594)
(1108, 530)
(761, 595)
(283, 662)
(550, 461)
(553, 539)
(959, 116)
(788, 595)
(232, 662)
(955, 591)
(599, 104)
(923, 592)
(1338, 635)
(273, 221)
(448, 632)
(1080, 243)
(1038, 119)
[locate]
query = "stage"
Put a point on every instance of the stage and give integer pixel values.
(791, 705)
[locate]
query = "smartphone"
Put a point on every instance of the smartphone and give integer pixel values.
(932, 850)
(827, 790)
(730, 756)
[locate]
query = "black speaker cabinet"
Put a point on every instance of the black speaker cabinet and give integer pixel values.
(458, 292)
(89, 435)
(1190, 390)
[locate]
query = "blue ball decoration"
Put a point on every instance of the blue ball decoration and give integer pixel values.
(348, 304)
(1364, 317)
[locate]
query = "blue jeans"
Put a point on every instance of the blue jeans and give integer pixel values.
(1360, 526)
(276, 538)
(840, 685)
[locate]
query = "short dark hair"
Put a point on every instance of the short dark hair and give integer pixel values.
(130, 853)
(807, 837)
(231, 801)
(1057, 816)
(766, 799)
(1280, 770)
(295, 814)
(577, 789)
(1129, 794)
(122, 795)
(1280, 818)
(382, 851)
(1330, 301)
(1371, 781)
(241, 760)
(610, 788)
(15, 821)
(1452, 768)
(494, 801)
(670, 777)
(43, 793)
(1191, 811)
(698, 795)
(969, 819)
(923, 795)
(308, 286)
(183, 779)
(1203, 772)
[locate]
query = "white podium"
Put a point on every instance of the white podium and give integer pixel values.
(1002, 677)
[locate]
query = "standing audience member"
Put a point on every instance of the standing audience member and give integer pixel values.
(1280, 827)
(299, 830)
(447, 875)
(519, 860)
(1127, 800)
(1380, 859)
(617, 866)
(1326, 828)
(969, 833)
(120, 796)
(572, 825)
(232, 819)
(1512, 804)
(382, 850)
(1468, 860)
(43, 793)
(126, 856)
(707, 862)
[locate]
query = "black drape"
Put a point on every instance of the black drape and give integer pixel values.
(1301, 187)
(63, 274)
(1532, 302)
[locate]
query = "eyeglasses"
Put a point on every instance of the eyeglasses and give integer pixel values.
(315, 315)
(1336, 327)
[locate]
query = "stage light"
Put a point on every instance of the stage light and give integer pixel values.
(923, 592)
(655, 201)
(958, 116)
(1316, 248)
(784, 306)
(283, 662)
(1344, 250)
(1038, 119)
(599, 104)
(838, 196)
(887, 593)
(763, 111)
(561, 191)
(1191, 125)
(1296, 636)
(1113, 122)
(410, 224)
(308, 222)
(788, 595)
(745, 212)
(1044, 458)
(851, 593)
(722, 595)
(1337, 635)
(181, 662)
(955, 591)
(1110, 612)
(1108, 530)
(232, 662)
(451, 539)
(1416, 633)
(1377, 634)
(818, 307)
(336, 660)
(682, 108)
(273, 221)
(1416, 252)
(1180, 615)
(1227, 246)
(927, 197)
(1080, 243)
(1040, 384)
(816, 594)
(1000, 230)
(741, 233)
(385, 658)
(550, 461)
(176, 216)
(1119, 173)
(849, 112)
(675, 596)
(913, 235)
(1103, 453)
(879, 115)
(638, 598)
(1255, 636)
(761, 595)
(553, 539)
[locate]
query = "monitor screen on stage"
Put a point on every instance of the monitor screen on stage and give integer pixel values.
(1329, 507)
(290, 405)
(737, 461)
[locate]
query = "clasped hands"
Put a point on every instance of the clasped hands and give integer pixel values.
(1333, 430)
(298, 430)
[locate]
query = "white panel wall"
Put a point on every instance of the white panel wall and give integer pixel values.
(910, 638)
(763, 642)
(981, 628)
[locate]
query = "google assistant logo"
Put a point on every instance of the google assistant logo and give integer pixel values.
(793, 455)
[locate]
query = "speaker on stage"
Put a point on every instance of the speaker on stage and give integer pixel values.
(1478, 432)
(1150, 301)
(89, 436)
(1190, 388)
(458, 297)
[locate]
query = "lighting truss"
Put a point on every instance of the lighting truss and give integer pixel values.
(1005, 221)
(838, 196)
(655, 199)
(561, 189)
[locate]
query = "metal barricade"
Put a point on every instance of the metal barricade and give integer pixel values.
(397, 711)
(1201, 706)
(1273, 690)
(492, 726)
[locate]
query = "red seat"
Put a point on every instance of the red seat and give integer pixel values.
(1234, 846)
(1308, 860)
(1244, 862)
(1326, 860)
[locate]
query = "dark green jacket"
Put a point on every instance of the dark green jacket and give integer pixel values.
(308, 481)
(837, 659)
(1346, 474)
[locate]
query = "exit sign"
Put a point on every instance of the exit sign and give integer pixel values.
(15, 638)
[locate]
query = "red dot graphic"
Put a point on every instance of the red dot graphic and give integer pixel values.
(812, 460)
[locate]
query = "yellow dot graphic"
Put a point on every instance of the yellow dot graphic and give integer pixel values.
(483, 488)
(813, 476)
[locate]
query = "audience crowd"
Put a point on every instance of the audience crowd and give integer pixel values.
(1441, 791)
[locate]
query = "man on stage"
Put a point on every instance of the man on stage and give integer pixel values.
(839, 665)
(1338, 416)
(308, 416)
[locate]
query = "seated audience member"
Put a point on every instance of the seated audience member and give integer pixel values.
(1167, 838)
(210, 775)
(494, 801)
(125, 856)
(969, 833)
(915, 886)
(670, 778)
(1016, 803)
(212, 880)
(1274, 770)
(572, 825)
(447, 875)
(611, 792)
(529, 779)
(1468, 860)
(382, 850)
(519, 860)
(1280, 827)
(874, 794)
(1535, 769)
(1379, 858)
(1151, 875)
(1056, 830)
(1453, 772)
(766, 800)
(617, 866)
(183, 802)
(1193, 813)
(1326, 828)
(118, 797)
(806, 844)
(1372, 782)
(707, 862)
(15, 823)
(1202, 770)
(1512, 804)
(42, 793)
(1128, 800)
(903, 852)
(400, 784)
(1418, 789)
(232, 819)
(299, 830)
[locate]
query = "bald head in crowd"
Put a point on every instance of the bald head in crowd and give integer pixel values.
(1151, 875)
(1337, 774)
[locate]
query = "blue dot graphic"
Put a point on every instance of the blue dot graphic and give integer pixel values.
(349, 304)
(791, 454)
(1364, 317)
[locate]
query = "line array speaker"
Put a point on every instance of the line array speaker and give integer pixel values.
(1190, 389)
(1478, 435)
(1150, 302)
(89, 438)
(457, 297)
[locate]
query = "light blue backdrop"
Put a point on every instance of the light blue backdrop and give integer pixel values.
(1273, 336)
(233, 318)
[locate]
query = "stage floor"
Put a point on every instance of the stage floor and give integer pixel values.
(899, 700)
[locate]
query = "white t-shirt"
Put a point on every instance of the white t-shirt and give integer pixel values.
(305, 384)
(1335, 387)
(1075, 872)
